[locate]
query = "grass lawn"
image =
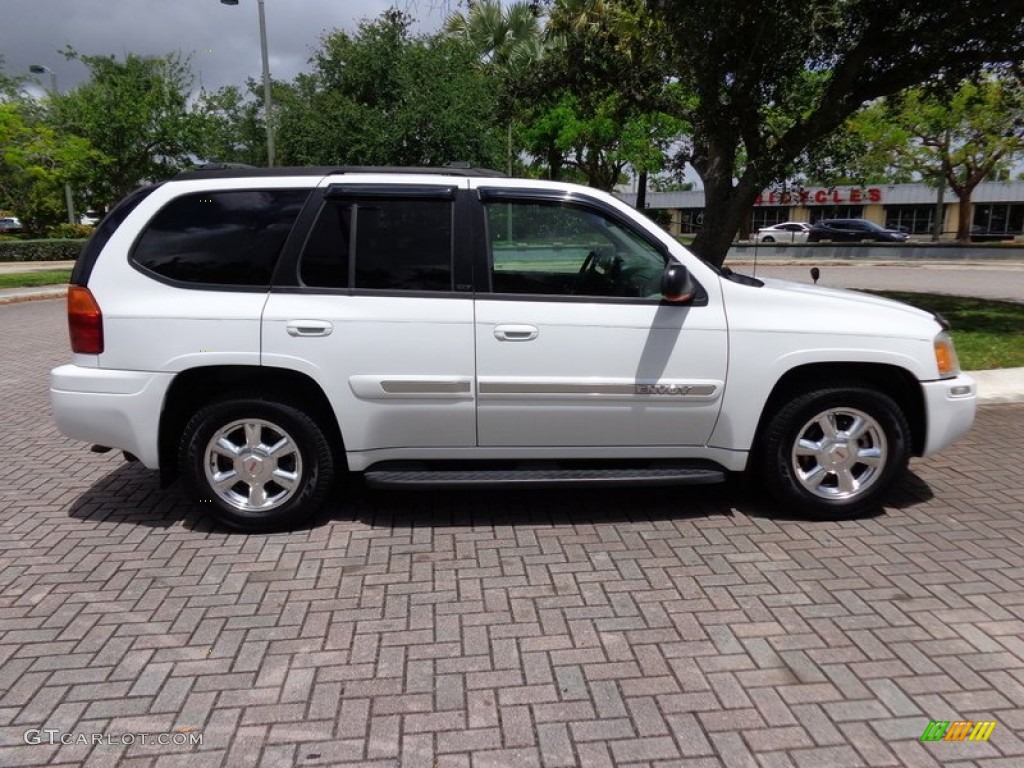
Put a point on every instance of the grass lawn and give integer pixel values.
(987, 333)
(29, 279)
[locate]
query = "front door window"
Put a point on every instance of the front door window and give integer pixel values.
(558, 249)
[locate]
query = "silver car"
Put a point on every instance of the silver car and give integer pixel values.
(786, 232)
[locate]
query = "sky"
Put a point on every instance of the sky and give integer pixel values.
(224, 40)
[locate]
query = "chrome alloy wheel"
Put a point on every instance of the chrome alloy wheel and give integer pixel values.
(253, 465)
(839, 453)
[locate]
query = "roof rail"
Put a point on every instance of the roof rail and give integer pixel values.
(232, 170)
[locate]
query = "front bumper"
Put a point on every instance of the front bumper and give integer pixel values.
(949, 407)
(118, 409)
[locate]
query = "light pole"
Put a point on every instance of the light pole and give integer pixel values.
(38, 69)
(266, 81)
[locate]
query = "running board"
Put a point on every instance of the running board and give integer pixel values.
(542, 478)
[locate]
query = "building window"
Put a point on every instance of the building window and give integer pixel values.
(690, 220)
(766, 216)
(1000, 218)
(819, 212)
(913, 219)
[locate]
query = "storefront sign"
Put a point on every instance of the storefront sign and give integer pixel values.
(822, 196)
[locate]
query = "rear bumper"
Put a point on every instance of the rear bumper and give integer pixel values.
(119, 409)
(949, 407)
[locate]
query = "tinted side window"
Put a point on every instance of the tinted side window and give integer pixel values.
(564, 250)
(380, 244)
(220, 238)
(104, 231)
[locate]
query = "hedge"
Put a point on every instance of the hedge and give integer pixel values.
(40, 250)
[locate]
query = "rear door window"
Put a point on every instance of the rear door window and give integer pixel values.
(377, 243)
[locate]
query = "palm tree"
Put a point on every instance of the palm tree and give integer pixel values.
(506, 37)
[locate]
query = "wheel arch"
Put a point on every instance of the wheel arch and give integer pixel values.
(194, 388)
(898, 383)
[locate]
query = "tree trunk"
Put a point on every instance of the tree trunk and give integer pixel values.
(641, 191)
(725, 207)
(554, 163)
(963, 222)
(744, 230)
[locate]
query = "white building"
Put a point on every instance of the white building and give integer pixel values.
(998, 207)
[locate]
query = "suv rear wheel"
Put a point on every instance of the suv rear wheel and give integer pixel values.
(832, 453)
(256, 464)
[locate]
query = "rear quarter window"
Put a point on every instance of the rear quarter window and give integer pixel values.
(104, 231)
(231, 237)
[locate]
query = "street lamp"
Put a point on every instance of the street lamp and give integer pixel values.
(38, 69)
(266, 80)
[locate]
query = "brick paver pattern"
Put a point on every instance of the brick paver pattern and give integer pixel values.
(676, 627)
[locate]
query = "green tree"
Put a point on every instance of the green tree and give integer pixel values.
(10, 85)
(136, 113)
(772, 79)
(507, 37)
(600, 100)
(35, 163)
(507, 40)
(958, 137)
(382, 96)
(233, 130)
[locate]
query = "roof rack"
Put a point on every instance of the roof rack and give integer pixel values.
(239, 170)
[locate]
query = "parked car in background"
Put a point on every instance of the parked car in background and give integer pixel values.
(982, 235)
(786, 232)
(853, 231)
(9, 225)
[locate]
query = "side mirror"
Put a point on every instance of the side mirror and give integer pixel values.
(676, 284)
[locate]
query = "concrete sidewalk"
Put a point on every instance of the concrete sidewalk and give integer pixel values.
(9, 267)
(14, 295)
(34, 293)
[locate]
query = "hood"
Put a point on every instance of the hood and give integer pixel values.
(808, 308)
(840, 294)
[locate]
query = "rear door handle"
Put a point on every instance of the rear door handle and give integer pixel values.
(309, 328)
(516, 332)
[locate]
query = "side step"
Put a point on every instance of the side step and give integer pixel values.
(548, 477)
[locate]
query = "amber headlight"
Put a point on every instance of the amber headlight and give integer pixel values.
(945, 356)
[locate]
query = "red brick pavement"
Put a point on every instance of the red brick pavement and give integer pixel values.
(679, 627)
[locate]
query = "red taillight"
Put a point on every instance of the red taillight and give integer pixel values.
(85, 321)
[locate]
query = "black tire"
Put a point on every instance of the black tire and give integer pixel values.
(304, 462)
(853, 480)
(767, 239)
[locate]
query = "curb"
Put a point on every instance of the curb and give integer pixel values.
(1002, 385)
(18, 295)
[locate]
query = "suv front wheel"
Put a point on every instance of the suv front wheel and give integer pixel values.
(256, 464)
(832, 453)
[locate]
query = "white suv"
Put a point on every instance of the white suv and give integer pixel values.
(259, 331)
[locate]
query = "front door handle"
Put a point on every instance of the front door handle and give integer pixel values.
(309, 328)
(516, 332)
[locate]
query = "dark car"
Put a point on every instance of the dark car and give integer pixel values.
(853, 231)
(981, 235)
